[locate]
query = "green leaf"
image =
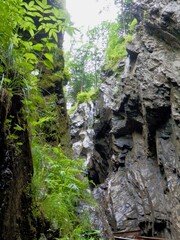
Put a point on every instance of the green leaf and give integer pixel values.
(18, 128)
(47, 19)
(40, 3)
(42, 120)
(38, 47)
(47, 11)
(29, 19)
(40, 27)
(26, 44)
(50, 33)
(34, 14)
(52, 18)
(31, 32)
(7, 80)
(31, 4)
(70, 30)
(55, 36)
(24, 4)
(49, 56)
(50, 45)
(48, 64)
(37, 14)
(46, 29)
(38, 8)
(44, 2)
(31, 56)
(1, 69)
(133, 24)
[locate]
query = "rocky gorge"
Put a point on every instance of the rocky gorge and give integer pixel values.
(130, 137)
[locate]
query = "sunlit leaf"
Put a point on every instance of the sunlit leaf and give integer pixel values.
(18, 128)
(49, 56)
(38, 47)
(38, 8)
(1, 69)
(47, 11)
(48, 64)
(31, 56)
(44, 2)
(29, 19)
(31, 3)
(31, 32)
(50, 45)
(39, 3)
(55, 36)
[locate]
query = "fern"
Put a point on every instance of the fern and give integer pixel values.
(59, 186)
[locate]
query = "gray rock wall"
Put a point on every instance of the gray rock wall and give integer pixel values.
(135, 158)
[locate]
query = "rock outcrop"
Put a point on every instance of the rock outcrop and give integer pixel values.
(135, 157)
(16, 220)
(20, 217)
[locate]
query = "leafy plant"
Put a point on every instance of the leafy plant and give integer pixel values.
(87, 96)
(83, 97)
(116, 47)
(30, 53)
(133, 25)
(129, 38)
(58, 186)
(72, 109)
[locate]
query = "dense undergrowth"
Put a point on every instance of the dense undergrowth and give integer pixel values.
(59, 184)
(30, 44)
(58, 187)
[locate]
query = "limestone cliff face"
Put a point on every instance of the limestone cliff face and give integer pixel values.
(135, 161)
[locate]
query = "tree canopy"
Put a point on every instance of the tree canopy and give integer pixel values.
(103, 45)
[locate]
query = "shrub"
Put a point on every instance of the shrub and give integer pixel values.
(83, 97)
(129, 38)
(91, 95)
(133, 25)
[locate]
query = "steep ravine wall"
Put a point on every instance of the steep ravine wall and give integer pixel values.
(20, 217)
(15, 171)
(133, 143)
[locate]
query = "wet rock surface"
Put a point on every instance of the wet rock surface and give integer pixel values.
(16, 220)
(134, 149)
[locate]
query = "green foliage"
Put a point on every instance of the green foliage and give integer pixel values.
(91, 95)
(85, 60)
(72, 109)
(58, 187)
(133, 25)
(116, 48)
(83, 97)
(125, 15)
(58, 182)
(30, 46)
(94, 94)
(20, 55)
(129, 38)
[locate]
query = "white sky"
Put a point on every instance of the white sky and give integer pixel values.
(89, 13)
